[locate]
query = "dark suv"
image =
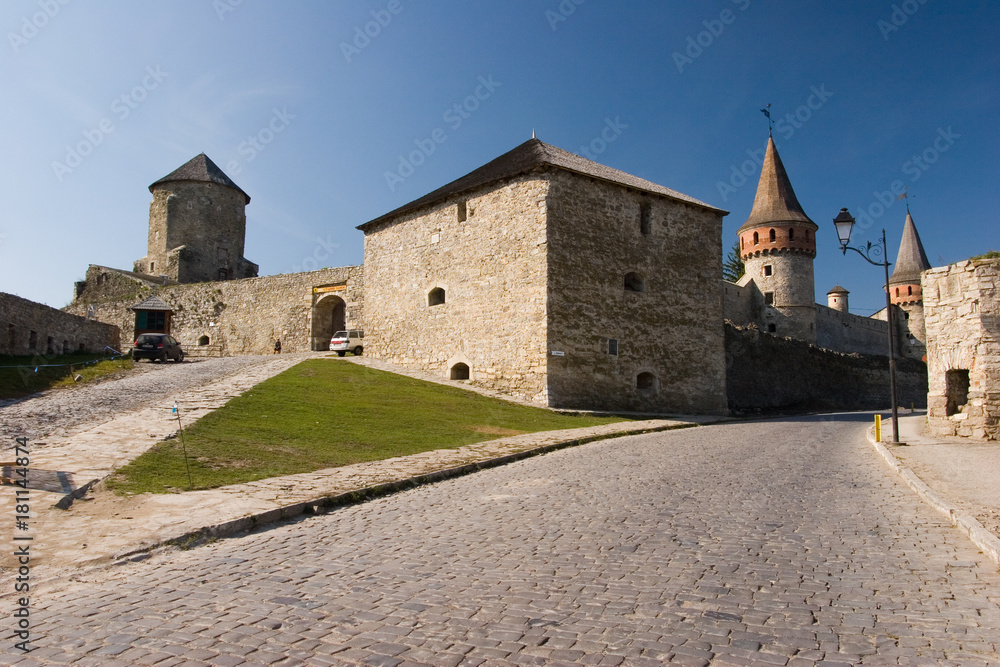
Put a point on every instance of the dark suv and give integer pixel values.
(157, 346)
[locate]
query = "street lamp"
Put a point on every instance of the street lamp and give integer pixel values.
(844, 222)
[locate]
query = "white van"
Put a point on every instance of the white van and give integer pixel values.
(348, 341)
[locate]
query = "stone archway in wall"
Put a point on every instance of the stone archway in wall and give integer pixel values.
(329, 315)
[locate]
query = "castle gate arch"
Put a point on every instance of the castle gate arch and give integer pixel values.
(329, 315)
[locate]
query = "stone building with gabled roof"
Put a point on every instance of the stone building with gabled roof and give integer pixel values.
(556, 279)
(197, 226)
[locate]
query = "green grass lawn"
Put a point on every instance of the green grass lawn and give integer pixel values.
(19, 377)
(325, 413)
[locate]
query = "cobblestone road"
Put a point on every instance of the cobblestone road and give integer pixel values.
(781, 542)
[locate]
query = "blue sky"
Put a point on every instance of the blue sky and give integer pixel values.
(313, 107)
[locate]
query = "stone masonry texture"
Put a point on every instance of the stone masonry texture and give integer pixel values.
(766, 373)
(233, 317)
(961, 309)
(29, 328)
(491, 271)
(558, 288)
(671, 354)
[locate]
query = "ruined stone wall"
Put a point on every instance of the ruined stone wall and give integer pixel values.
(739, 304)
(196, 230)
(604, 239)
(845, 332)
(962, 321)
(490, 268)
(768, 373)
(29, 328)
(237, 316)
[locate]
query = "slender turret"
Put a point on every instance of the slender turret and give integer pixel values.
(905, 290)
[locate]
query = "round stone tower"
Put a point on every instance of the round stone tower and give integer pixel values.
(778, 245)
(905, 291)
(197, 226)
(837, 299)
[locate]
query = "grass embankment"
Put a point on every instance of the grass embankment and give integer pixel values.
(323, 414)
(19, 377)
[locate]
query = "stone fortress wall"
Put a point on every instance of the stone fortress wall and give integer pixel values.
(233, 317)
(29, 328)
(635, 303)
(961, 305)
(768, 373)
(849, 333)
(427, 274)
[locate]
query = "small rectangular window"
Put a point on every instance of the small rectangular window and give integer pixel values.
(463, 211)
(613, 346)
(646, 219)
(767, 269)
(769, 298)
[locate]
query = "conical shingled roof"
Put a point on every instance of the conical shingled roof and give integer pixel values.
(837, 289)
(201, 170)
(529, 156)
(775, 201)
(911, 260)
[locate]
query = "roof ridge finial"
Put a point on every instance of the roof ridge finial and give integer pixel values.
(533, 133)
(767, 112)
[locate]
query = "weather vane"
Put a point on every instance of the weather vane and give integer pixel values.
(767, 112)
(906, 195)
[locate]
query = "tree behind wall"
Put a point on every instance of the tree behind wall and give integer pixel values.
(733, 268)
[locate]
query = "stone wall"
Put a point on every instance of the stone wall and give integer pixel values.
(962, 322)
(462, 285)
(768, 373)
(652, 290)
(741, 302)
(845, 332)
(29, 328)
(234, 317)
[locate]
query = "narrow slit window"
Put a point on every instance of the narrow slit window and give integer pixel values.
(463, 211)
(646, 219)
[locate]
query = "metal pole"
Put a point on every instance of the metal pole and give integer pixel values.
(892, 344)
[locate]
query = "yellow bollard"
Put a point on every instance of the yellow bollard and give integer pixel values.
(878, 428)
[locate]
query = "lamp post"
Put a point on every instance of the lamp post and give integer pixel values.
(844, 222)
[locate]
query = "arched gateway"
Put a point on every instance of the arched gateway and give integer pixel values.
(329, 315)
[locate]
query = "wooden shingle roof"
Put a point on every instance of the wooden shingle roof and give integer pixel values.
(200, 169)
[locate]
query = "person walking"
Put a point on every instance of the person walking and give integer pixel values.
(277, 346)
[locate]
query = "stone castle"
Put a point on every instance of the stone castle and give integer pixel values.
(541, 274)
